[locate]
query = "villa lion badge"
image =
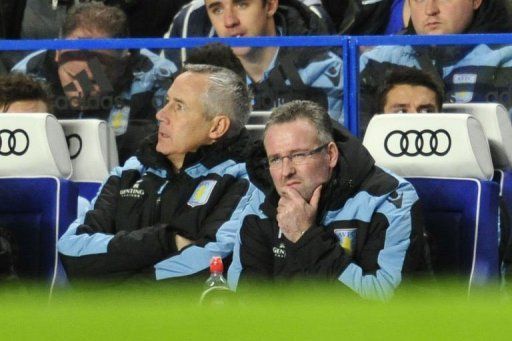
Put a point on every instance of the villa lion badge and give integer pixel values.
(202, 193)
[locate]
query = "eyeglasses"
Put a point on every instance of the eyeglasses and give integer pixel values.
(295, 158)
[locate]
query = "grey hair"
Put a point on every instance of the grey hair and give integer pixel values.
(301, 109)
(227, 94)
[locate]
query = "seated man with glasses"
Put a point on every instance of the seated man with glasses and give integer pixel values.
(325, 210)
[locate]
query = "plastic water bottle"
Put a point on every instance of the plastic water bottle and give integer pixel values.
(215, 283)
(216, 274)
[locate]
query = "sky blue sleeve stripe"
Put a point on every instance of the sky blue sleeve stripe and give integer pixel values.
(319, 75)
(71, 244)
(399, 55)
(391, 258)
(145, 81)
(235, 269)
(482, 55)
(194, 259)
(382, 284)
(190, 261)
(83, 244)
(229, 167)
(21, 66)
(361, 207)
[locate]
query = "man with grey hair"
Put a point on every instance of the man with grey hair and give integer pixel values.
(226, 94)
(177, 202)
(324, 210)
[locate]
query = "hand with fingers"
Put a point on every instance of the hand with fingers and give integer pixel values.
(296, 215)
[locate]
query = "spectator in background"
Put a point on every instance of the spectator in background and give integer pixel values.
(219, 55)
(20, 93)
(123, 87)
(275, 75)
(39, 19)
(325, 211)
(408, 90)
(478, 73)
(42, 19)
(177, 203)
(459, 16)
(192, 19)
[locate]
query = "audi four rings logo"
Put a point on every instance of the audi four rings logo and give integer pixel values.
(13, 142)
(413, 142)
(74, 145)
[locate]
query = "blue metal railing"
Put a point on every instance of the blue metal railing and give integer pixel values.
(356, 42)
(350, 46)
(160, 43)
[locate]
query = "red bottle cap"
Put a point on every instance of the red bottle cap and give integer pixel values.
(216, 264)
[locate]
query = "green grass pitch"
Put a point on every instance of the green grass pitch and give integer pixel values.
(308, 312)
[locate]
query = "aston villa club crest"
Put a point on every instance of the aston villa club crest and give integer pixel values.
(202, 193)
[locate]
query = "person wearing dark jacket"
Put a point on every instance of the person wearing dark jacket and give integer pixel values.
(168, 210)
(324, 210)
(275, 75)
(123, 87)
(469, 73)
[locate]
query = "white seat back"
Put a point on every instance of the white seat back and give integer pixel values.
(33, 145)
(438, 145)
(495, 121)
(92, 147)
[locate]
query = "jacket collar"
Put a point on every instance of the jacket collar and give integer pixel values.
(234, 148)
